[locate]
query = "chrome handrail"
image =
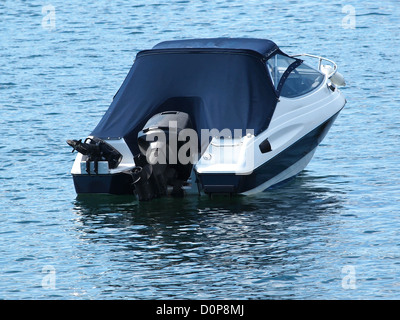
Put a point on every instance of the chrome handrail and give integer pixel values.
(320, 62)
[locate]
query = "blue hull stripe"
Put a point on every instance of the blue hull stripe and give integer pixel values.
(119, 183)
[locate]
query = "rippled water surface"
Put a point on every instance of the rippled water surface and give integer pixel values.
(332, 233)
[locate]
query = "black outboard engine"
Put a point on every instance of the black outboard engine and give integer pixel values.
(158, 165)
(97, 150)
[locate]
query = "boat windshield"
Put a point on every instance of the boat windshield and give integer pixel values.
(300, 80)
(277, 65)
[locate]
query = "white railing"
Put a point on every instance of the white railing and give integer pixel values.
(320, 59)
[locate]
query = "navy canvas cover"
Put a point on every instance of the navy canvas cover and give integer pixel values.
(262, 46)
(219, 86)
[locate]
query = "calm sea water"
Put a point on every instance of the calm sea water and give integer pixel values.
(332, 233)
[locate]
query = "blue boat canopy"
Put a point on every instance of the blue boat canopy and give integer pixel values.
(262, 46)
(221, 83)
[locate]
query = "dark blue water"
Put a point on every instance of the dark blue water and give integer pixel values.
(332, 233)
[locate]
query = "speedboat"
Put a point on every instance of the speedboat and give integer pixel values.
(210, 116)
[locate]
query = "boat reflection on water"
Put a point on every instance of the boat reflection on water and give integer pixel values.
(195, 218)
(201, 248)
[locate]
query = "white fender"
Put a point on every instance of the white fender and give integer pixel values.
(336, 77)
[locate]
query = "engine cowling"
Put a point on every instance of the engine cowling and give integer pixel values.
(158, 165)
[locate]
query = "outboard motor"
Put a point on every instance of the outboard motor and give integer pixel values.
(158, 165)
(97, 150)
